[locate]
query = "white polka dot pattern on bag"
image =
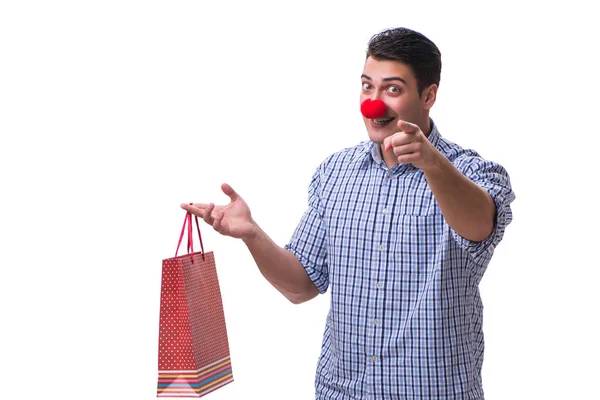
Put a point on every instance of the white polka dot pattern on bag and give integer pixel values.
(209, 333)
(192, 324)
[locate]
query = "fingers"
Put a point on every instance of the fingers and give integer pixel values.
(408, 153)
(410, 158)
(397, 139)
(406, 149)
(408, 127)
(228, 190)
(387, 143)
(207, 214)
(217, 222)
(211, 214)
(203, 211)
(196, 209)
(405, 136)
(193, 207)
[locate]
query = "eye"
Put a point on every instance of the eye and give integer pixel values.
(366, 86)
(394, 90)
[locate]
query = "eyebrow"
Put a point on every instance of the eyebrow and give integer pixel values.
(391, 78)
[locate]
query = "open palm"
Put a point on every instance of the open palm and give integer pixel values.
(233, 219)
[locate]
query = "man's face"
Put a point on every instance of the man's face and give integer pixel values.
(395, 84)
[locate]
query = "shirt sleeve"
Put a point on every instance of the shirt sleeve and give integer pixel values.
(308, 241)
(495, 180)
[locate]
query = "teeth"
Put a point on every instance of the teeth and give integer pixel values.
(382, 120)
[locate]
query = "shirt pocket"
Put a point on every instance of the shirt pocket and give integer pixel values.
(417, 200)
(417, 229)
(417, 241)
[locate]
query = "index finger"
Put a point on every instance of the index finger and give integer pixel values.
(194, 207)
(407, 127)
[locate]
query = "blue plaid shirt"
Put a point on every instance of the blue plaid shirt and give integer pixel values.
(406, 317)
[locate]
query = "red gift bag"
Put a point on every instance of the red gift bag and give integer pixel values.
(193, 356)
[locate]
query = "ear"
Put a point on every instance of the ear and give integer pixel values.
(429, 95)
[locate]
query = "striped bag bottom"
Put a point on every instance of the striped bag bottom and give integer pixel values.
(195, 383)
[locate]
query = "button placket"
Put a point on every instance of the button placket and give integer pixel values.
(379, 246)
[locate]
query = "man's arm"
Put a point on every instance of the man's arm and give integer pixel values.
(280, 267)
(467, 207)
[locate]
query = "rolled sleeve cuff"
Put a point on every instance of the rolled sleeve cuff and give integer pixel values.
(318, 278)
(478, 249)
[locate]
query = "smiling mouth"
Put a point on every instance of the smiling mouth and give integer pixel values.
(382, 121)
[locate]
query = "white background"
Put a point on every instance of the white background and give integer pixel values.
(112, 113)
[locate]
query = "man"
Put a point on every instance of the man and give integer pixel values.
(401, 228)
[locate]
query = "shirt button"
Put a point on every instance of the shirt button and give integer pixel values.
(378, 285)
(374, 358)
(384, 211)
(380, 247)
(375, 322)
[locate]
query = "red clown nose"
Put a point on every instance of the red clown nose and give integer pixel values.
(373, 108)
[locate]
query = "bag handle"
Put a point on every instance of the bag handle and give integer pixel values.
(190, 242)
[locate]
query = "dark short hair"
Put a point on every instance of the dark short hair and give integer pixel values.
(411, 48)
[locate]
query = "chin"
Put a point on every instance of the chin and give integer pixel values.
(378, 136)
